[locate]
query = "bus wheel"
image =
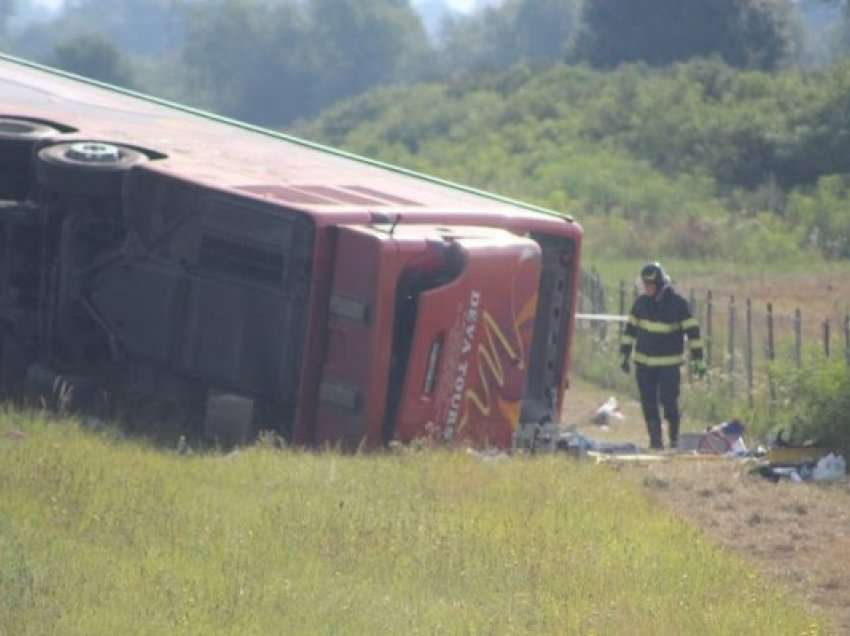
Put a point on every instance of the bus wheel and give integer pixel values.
(92, 168)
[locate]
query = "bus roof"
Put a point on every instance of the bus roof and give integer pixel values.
(224, 153)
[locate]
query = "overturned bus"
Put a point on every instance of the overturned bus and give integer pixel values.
(192, 275)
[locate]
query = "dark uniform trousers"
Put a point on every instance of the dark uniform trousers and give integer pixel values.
(659, 384)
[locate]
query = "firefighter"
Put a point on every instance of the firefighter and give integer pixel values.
(658, 323)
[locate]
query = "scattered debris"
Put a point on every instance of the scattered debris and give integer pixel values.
(577, 444)
(609, 410)
(721, 442)
(796, 454)
(725, 438)
(831, 467)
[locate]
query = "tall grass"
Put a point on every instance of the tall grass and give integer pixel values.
(99, 535)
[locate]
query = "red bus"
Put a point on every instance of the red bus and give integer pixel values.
(193, 275)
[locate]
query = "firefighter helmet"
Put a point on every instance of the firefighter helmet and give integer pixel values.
(653, 273)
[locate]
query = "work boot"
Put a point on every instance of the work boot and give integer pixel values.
(674, 433)
(654, 430)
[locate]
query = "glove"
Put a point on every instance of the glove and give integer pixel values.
(698, 368)
(624, 365)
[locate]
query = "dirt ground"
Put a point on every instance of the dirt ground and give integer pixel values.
(797, 534)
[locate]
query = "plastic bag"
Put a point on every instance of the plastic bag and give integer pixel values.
(830, 468)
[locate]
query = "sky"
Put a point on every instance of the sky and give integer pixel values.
(458, 5)
(461, 5)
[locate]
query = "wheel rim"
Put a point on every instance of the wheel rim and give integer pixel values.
(93, 152)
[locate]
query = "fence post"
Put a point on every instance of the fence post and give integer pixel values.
(709, 306)
(826, 338)
(731, 349)
(847, 339)
(622, 306)
(798, 337)
(749, 353)
(601, 306)
(771, 351)
(771, 356)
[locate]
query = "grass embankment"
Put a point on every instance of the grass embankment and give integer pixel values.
(100, 535)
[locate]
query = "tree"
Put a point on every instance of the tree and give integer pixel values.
(92, 56)
(495, 38)
(477, 42)
(137, 28)
(364, 44)
(142, 27)
(303, 55)
(744, 33)
(544, 28)
(251, 60)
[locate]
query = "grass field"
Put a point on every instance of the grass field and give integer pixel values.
(103, 535)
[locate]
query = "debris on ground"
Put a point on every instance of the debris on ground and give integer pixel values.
(550, 438)
(830, 467)
(725, 438)
(575, 443)
(810, 460)
(609, 410)
(776, 460)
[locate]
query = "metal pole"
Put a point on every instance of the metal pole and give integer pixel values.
(847, 339)
(709, 306)
(798, 338)
(603, 308)
(771, 356)
(826, 337)
(771, 351)
(749, 352)
(620, 326)
(731, 349)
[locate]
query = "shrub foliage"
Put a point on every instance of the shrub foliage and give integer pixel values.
(701, 158)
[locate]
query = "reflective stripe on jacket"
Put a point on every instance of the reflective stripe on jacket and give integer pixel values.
(656, 328)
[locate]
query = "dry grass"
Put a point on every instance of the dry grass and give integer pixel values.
(798, 534)
(795, 534)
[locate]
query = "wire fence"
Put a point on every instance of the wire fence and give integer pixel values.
(741, 338)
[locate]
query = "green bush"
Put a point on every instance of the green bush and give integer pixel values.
(814, 402)
(694, 161)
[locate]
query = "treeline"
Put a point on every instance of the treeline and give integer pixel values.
(684, 127)
(274, 61)
(694, 160)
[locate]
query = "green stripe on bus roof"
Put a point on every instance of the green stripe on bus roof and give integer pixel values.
(282, 136)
